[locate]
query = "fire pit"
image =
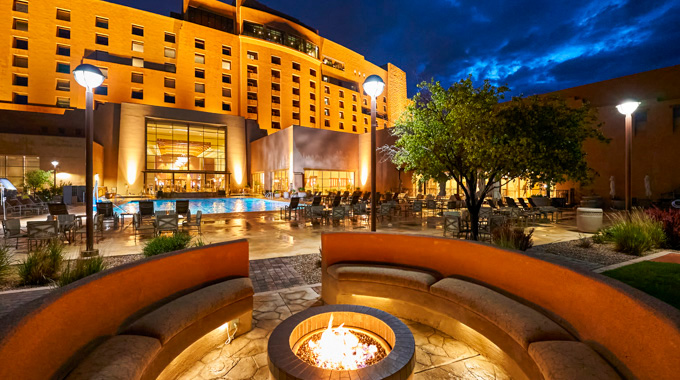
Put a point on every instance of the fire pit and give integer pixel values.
(354, 341)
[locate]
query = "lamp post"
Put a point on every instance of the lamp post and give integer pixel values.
(627, 108)
(90, 77)
(373, 87)
(55, 163)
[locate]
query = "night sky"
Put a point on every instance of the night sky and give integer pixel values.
(534, 46)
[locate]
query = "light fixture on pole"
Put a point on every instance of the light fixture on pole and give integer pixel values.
(90, 77)
(55, 163)
(627, 108)
(373, 87)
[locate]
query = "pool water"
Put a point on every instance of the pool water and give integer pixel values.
(208, 205)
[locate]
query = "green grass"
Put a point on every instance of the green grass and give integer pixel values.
(661, 280)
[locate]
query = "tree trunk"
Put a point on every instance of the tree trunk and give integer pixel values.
(473, 204)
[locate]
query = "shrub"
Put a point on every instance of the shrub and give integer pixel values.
(42, 265)
(512, 237)
(670, 220)
(584, 242)
(164, 244)
(634, 233)
(81, 268)
(5, 263)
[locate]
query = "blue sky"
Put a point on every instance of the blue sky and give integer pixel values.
(534, 46)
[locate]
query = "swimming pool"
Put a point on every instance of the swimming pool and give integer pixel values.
(209, 205)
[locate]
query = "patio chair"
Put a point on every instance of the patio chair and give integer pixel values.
(57, 199)
(141, 229)
(493, 222)
(57, 209)
(15, 204)
(452, 223)
(105, 209)
(316, 214)
(359, 210)
(164, 212)
(12, 230)
(146, 209)
(336, 201)
(419, 196)
(417, 207)
(366, 196)
(167, 223)
(40, 232)
(338, 214)
(431, 205)
(68, 224)
(290, 208)
(385, 211)
(196, 223)
(98, 228)
(544, 210)
(510, 202)
(182, 207)
(38, 202)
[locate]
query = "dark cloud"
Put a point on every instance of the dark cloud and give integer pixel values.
(534, 46)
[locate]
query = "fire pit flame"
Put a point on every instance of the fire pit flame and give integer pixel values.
(340, 349)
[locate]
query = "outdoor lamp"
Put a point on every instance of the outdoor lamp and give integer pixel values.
(627, 108)
(55, 163)
(374, 86)
(88, 76)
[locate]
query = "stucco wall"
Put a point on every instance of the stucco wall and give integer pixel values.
(271, 153)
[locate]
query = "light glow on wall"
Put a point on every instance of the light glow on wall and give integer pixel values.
(63, 176)
(364, 174)
(131, 172)
(238, 172)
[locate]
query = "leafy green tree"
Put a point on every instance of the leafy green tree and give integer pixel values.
(464, 133)
(36, 179)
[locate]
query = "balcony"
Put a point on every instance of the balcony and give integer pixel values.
(252, 102)
(252, 115)
(296, 97)
(276, 93)
(252, 75)
(276, 106)
(252, 88)
(296, 109)
(276, 119)
(276, 79)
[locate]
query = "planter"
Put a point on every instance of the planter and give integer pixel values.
(588, 219)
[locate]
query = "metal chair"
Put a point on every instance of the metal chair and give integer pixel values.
(67, 226)
(196, 223)
(40, 232)
(338, 214)
(98, 228)
(288, 209)
(182, 207)
(167, 223)
(146, 209)
(385, 211)
(105, 209)
(140, 228)
(12, 230)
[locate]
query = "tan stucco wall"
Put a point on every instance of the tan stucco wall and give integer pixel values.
(271, 153)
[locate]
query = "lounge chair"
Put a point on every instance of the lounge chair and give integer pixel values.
(105, 209)
(98, 228)
(182, 207)
(140, 228)
(68, 224)
(146, 209)
(12, 230)
(28, 203)
(290, 208)
(15, 204)
(57, 209)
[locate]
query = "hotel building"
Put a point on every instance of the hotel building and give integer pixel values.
(185, 96)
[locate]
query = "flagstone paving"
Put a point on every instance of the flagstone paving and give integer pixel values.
(438, 356)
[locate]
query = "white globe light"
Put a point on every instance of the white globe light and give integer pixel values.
(627, 108)
(374, 86)
(55, 163)
(88, 76)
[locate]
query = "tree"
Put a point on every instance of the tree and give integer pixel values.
(36, 179)
(463, 133)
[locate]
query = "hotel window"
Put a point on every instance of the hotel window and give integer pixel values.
(63, 102)
(226, 65)
(276, 125)
(226, 106)
(342, 115)
(20, 61)
(20, 25)
(276, 60)
(276, 74)
(138, 30)
(342, 104)
(199, 73)
(312, 84)
(137, 93)
(312, 72)
(101, 39)
(276, 100)
(63, 15)
(296, 116)
(20, 80)
(342, 94)
(276, 113)
(21, 6)
(226, 78)
(365, 130)
(169, 82)
(199, 58)
(639, 120)
(20, 43)
(138, 46)
(365, 102)
(104, 70)
(296, 104)
(102, 90)
(354, 97)
(354, 128)
(170, 37)
(63, 85)
(276, 87)
(64, 33)
(137, 62)
(312, 96)
(170, 67)
(226, 92)
(384, 99)
(326, 101)
(365, 121)
(199, 87)
(326, 90)
(312, 107)
(327, 123)
(342, 126)
(137, 78)
(101, 22)
(169, 98)
(296, 91)
(226, 50)
(326, 112)
(169, 52)
(19, 98)
(354, 118)
(296, 66)
(199, 44)
(252, 55)
(312, 119)
(354, 108)
(199, 102)
(385, 108)
(63, 68)
(296, 79)
(64, 50)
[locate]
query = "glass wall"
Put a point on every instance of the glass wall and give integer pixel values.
(185, 157)
(329, 180)
(280, 180)
(14, 168)
(258, 182)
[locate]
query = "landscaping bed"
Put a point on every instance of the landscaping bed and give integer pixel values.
(603, 254)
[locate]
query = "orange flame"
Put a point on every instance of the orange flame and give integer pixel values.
(339, 349)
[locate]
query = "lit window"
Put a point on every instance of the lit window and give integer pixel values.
(137, 62)
(342, 115)
(226, 65)
(63, 85)
(101, 90)
(296, 66)
(63, 102)
(199, 44)
(20, 61)
(226, 78)
(326, 101)
(199, 58)
(138, 30)
(19, 98)
(21, 6)
(226, 50)
(226, 106)
(63, 15)
(64, 50)
(169, 82)
(226, 92)
(252, 55)
(199, 102)
(170, 37)
(138, 46)
(20, 25)
(101, 22)
(102, 39)
(169, 98)
(327, 90)
(137, 78)
(169, 52)
(327, 112)
(20, 80)
(342, 94)
(64, 33)
(137, 93)
(312, 72)
(20, 43)
(199, 73)
(276, 60)
(199, 87)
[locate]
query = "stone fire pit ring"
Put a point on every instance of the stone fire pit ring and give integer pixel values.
(284, 364)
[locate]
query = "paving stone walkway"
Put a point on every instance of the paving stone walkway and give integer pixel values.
(438, 356)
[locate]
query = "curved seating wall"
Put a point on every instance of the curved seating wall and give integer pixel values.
(36, 340)
(636, 333)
